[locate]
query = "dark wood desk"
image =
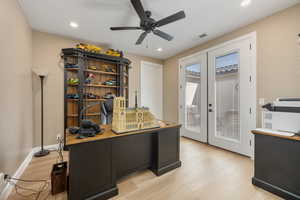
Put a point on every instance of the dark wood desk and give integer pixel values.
(277, 164)
(97, 163)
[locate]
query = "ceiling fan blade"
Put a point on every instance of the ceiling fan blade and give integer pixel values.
(124, 28)
(177, 16)
(139, 9)
(141, 38)
(163, 35)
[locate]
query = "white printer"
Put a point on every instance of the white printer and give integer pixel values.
(282, 115)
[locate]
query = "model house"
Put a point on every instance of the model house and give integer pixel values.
(150, 100)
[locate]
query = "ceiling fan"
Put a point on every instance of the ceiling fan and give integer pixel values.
(148, 24)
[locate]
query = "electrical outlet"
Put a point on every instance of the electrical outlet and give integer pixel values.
(2, 182)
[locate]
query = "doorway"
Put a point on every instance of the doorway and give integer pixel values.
(152, 88)
(218, 95)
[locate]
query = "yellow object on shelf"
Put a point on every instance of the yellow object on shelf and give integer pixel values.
(89, 47)
(112, 52)
(92, 68)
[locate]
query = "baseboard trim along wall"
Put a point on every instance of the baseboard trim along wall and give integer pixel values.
(9, 187)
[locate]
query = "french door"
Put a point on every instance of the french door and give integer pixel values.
(193, 101)
(231, 97)
(218, 96)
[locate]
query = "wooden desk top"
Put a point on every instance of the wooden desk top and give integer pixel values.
(297, 138)
(108, 133)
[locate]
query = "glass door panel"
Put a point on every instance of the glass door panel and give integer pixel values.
(193, 97)
(227, 96)
(230, 97)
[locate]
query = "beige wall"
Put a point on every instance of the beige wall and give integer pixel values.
(46, 54)
(278, 60)
(16, 87)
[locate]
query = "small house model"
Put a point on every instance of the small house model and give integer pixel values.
(131, 119)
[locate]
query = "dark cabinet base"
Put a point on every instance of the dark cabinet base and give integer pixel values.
(96, 166)
(166, 169)
(105, 195)
(275, 190)
(276, 166)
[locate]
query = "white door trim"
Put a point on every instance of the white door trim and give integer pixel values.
(253, 37)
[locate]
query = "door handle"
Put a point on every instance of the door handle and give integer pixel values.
(210, 110)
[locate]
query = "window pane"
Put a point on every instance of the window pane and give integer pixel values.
(192, 98)
(227, 96)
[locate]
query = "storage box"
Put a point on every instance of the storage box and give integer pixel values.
(59, 178)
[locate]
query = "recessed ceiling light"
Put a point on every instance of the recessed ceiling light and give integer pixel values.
(246, 3)
(159, 49)
(74, 25)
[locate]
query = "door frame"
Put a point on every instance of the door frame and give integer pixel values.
(189, 61)
(162, 89)
(253, 38)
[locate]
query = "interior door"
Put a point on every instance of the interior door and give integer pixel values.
(230, 97)
(152, 88)
(193, 97)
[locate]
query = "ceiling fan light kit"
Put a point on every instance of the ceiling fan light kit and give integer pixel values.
(149, 25)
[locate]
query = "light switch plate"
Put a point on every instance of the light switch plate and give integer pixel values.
(261, 101)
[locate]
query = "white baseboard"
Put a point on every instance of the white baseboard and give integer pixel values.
(49, 147)
(8, 188)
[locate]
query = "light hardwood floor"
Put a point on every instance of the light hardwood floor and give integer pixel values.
(206, 173)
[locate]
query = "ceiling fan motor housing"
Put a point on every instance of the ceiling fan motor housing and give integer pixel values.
(148, 24)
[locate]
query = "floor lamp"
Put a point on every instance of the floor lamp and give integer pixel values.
(42, 74)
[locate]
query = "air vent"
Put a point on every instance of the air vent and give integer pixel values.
(203, 35)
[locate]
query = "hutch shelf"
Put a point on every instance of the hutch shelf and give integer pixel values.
(88, 77)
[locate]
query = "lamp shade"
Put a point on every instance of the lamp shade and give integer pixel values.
(40, 72)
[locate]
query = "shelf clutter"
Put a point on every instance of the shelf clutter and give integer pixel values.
(90, 78)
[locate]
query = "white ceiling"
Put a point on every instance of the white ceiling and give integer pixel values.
(95, 17)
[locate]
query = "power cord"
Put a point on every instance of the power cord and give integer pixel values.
(33, 193)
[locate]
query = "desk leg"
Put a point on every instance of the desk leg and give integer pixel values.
(167, 149)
